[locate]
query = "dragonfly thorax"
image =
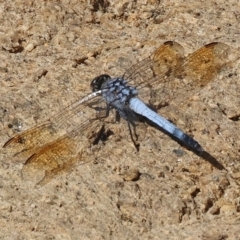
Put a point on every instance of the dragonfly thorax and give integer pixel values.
(116, 91)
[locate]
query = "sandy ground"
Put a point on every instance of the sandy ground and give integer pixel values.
(50, 51)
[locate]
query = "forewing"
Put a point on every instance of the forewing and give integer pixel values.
(64, 122)
(156, 68)
(24, 144)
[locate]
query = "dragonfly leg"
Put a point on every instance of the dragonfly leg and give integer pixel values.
(136, 145)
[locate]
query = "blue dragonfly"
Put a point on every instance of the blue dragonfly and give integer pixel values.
(58, 143)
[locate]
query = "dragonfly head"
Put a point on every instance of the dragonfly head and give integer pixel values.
(98, 82)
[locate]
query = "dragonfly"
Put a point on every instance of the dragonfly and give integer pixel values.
(57, 144)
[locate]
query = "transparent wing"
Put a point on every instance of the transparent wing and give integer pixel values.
(57, 144)
(174, 75)
(59, 155)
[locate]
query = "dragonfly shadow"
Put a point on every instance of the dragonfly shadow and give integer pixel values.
(208, 157)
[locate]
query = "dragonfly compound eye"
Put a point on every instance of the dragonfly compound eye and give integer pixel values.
(98, 82)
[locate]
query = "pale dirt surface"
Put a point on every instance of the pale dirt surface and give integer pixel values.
(50, 51)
